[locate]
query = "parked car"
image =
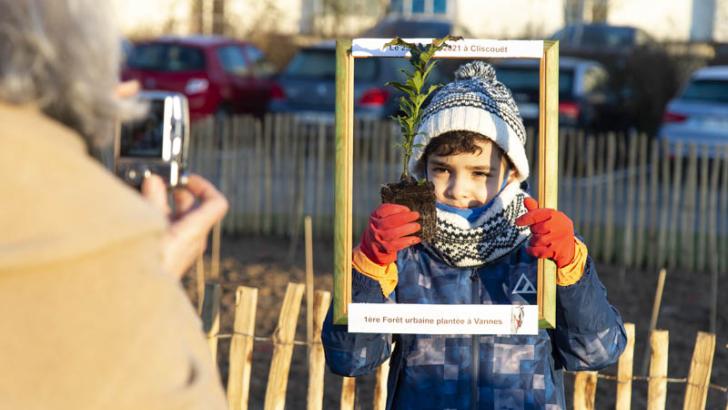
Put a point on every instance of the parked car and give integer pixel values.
(640, 68)
(414, 27)
(217, 74)
(307, 86)
(585, 99)
(603, 37)
(699, 114)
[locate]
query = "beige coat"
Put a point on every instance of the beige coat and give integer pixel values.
(88, 319)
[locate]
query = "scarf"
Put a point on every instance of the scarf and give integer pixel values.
(488, 237)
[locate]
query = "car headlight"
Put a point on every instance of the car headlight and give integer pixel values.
(196, 86)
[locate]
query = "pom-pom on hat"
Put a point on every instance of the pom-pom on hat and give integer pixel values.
(476, 101)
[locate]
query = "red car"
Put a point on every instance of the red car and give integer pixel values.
(217, 74)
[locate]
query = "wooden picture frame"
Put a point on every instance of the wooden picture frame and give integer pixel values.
(346, 51)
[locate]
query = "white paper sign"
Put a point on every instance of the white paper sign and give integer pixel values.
(466, 48)
(443, 319)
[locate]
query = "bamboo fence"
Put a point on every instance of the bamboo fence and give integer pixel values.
(240, 359)
(635, 200)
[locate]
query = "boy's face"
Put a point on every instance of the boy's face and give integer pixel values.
(468, 180)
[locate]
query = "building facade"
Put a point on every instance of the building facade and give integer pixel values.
(674, 20)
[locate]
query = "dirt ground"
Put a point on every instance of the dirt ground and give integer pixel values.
(266, 264)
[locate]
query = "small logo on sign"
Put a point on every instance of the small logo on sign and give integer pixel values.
(517, 315)
(524, 286)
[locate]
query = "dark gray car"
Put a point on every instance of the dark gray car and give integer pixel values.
(307, 86)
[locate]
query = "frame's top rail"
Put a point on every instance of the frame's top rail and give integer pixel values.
(467, 48)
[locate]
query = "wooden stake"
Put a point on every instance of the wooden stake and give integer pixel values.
(348, 393)
(309, 280)
(588, 197)
(241, 348)
(609, 200)
(696, 391)
(655, 311)
(643, 225)
(713, 254)
(320, 177)
(628, 248)
(257, 194)
(672, 250)
(624, 371)
(662, 228)
(270, 158)
(585, 388)
(578, 190)
(211, 316)
(596, 244)
(316, 359)
(703, 231)
(283, 337)
(657, 387)
(686, 237)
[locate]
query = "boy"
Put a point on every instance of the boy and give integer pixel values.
(470, 144)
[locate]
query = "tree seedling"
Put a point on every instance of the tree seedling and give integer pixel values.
(416, 195)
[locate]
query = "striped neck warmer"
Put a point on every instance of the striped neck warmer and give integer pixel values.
(493, 234)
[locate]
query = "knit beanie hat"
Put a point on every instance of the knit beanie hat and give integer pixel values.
(476, 101)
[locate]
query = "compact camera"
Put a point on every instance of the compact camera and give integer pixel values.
(156, 143)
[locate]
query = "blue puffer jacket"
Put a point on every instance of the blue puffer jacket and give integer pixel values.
(512, 372)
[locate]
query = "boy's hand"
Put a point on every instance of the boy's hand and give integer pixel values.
(553, 233)
(389, 230)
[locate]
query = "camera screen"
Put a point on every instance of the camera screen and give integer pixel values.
(144, 137)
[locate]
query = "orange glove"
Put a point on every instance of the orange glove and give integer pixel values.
(553, 233)
(389, 231)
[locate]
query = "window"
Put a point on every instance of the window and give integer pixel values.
(396, 6)
(232, 59)
(707, 90)
(167, 57)
(259, 64)
(595, 80)
(419, 7)
(255, 56)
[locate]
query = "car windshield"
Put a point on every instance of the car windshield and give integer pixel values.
(707, 91)
(321, 64)
(232, 59)
(526, 80)
(166, 57)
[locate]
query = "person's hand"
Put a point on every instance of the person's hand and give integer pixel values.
(127, 89)
(553, 233)
(389, 231)
(198, 206)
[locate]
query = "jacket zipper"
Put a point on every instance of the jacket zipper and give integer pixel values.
(475, 345)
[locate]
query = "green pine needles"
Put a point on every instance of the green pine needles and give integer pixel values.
(410, 103)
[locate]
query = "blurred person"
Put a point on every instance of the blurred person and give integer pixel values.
(94, 314)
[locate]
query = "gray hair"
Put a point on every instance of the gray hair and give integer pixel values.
(63, 56)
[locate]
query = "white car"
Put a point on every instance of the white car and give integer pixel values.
(699, 115)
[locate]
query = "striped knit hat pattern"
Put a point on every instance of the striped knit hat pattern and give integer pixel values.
(476, 101)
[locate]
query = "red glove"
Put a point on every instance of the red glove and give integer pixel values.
(389, 230)
(553, 233)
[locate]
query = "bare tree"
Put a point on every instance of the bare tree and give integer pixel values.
(218, 17)
(196, 16)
